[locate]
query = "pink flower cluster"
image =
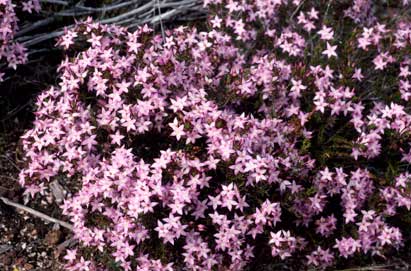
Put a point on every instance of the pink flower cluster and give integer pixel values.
(195, 149)
(13, 53)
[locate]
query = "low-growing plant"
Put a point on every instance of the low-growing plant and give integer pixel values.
(282, 130)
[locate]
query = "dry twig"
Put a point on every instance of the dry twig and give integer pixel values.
(36, 213)
(129, 14)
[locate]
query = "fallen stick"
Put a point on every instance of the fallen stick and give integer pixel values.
(37, 213)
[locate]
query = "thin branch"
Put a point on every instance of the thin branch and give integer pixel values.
(73, 13)
(33, 26)
(161, 21)
(108, 8)
(41, 38)
(296, 10)
(130, 13)
(127, 14)
(59, 2)
(37, 213)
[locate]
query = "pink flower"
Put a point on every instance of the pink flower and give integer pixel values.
(71, 255)
(347, 246)
(330, 51)
(326, 33)
(178, 130)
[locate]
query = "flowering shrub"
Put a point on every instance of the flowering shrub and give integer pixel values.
(11, 52)
(271, 130)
